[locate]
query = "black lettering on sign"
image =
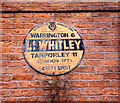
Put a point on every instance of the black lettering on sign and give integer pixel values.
(54, 45)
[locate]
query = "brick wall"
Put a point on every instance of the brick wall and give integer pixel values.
(96, 78)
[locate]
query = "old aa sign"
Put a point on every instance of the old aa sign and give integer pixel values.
(53, 48)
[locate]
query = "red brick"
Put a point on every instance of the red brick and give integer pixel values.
(24, 32)
(100, 98)
(8, 15)
(77, 84)
(101, 14)
(41, 92)
(103, 30)
(116, 19)
(87, 31)
(100, 69)
(15, 70)
(23, 77)
(109, 91)
(92, 49)
(106, 19)
(69, 92)
(45, 15)
(61, 19)
(7, 50)
(101, 43)
(7, 63)
(107, 49)
(48, 98)
(72, 76)
(111, 55)
(79, 4)
(73, 92)
(111, 76)
(16, 20)
(29, 99)
(81, 98)
(91, 62)
(18, 93)
(73, 19)
(10, 99)
(32, 9)
(6, 38)
(117, 36)
(21, 4)
(9, 85)
(87, 43)
(45, 19)
(32, 71)
(3, 70)
(96, 3)
(114, 30)
(63, 14)
(115, 24)
(1, 99)
(115, 14)
(115, 98)
(83, 25)
(90, 91)
(12, 32)
(102, 25)
(91, 76)
(5, 20)
(94, 56)
(84, 69)
(31, 20)
(5, 77)
(108, 62)
(111, 8)
(19, 38)
(115, 42)
(7, 44)
(19, 50)
(6, 4)
(36, 4)
(88, 37)
(112, 4)
(24, 26)
(113, 69)
(104, 36)
(115, 83)
(67, 99)
(8, 26)
(93, 19)
(99, 83)
(21, 57)
(25, 15)
(58, 4)
(30, 84)
(19, 63)
(4, 93)
(82, 14)
(13, 9)
(42, 77)
(10, 56)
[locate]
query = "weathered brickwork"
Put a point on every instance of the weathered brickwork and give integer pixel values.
(47, 6)
(96, 78)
